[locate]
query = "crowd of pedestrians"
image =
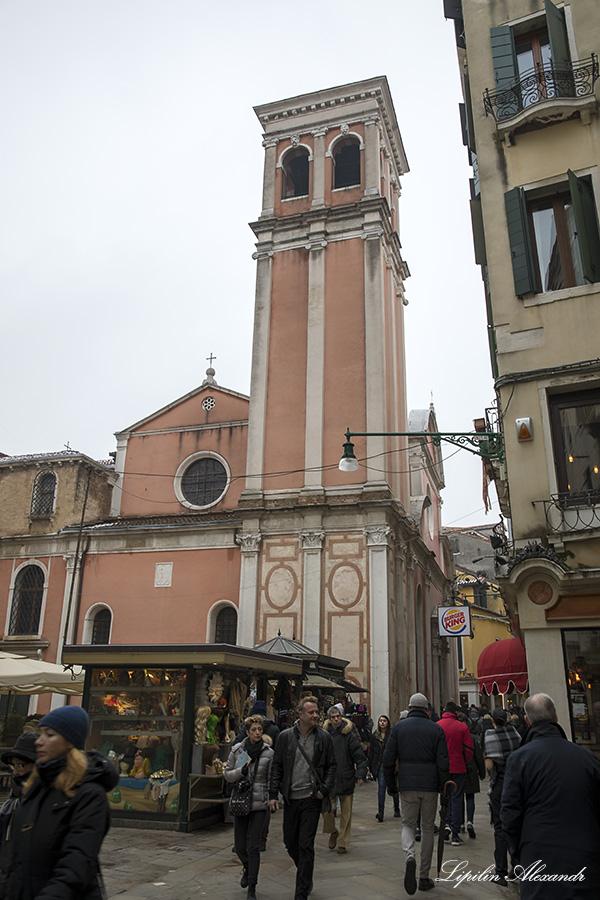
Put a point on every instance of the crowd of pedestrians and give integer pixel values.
(543, 795)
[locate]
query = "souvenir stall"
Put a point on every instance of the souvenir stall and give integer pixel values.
(323, 676)
(166, 717)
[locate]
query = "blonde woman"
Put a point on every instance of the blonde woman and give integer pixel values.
(60, 824)
(251, 759)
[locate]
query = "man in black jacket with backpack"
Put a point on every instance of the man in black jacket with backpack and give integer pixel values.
(303, 772)
(419, 747)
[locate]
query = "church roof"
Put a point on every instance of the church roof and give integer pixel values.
(286, 647)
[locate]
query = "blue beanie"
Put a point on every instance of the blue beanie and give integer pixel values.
(259, 708)
(71, 721)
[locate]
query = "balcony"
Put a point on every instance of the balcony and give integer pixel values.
(573, 512)
(543, 95)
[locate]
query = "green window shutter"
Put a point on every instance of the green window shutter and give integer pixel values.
(557, 32)
(477, 226)
(520, 242)
(586, 223)
(504, 56)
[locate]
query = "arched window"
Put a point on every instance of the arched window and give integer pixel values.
(27, 601)
(346, 163)
(101, 627)
(42, 499)
(295, 174)
(226, 626)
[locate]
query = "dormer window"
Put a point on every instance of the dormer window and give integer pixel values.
(42, 499)
(295, 174)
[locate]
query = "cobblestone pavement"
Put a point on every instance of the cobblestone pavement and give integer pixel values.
(145, 864)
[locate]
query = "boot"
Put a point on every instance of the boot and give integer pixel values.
(379, 814)
(251, 892)
(396, 807)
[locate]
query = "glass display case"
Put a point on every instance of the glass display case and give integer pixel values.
(136, 719)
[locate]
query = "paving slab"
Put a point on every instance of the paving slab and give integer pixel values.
(144, 865)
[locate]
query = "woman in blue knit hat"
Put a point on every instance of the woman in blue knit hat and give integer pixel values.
(60, 824)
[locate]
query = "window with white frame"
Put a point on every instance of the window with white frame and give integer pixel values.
(575, 420)
(101, 626)
(202, 480)
(26, 608)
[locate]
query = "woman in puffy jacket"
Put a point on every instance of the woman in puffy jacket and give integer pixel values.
(59, 826)
(251, 759)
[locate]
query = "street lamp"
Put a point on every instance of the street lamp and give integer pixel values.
(485, 444)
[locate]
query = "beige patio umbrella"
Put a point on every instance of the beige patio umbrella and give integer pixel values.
(21, 675)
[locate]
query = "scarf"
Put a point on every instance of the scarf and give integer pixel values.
(254, 750)
(50, 770)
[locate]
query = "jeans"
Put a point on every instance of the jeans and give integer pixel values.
(246, 840)
(300, 823)
(455, 808)
(470, 799)
(500, 842)
(415, 803)
(381, 792)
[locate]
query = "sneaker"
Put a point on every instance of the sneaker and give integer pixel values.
(341, 849)
(426, 884)
(447, 835)
(471, 830)
(410, 876)
(332, 840)
(457, 840)
(244, 879)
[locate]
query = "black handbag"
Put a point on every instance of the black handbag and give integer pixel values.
(240, 801)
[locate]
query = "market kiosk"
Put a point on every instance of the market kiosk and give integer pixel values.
(167, 717)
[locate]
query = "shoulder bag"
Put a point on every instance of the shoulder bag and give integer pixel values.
(240, 801)
(326, 801)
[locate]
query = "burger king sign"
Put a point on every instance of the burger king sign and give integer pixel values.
(454, 621)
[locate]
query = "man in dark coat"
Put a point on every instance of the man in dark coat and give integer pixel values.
(418, 746)
(269, 727)
(303, 771)
(351, 768)
(551, 810)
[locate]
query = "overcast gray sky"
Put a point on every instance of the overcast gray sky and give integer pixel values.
(130, 165)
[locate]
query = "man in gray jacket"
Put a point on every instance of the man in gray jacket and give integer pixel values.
(419, 747)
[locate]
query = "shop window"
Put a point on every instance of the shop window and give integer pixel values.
(42, 499)
(201, 481)
(226, 626)
(136, 716)
(553, 234)
(346, 163)
(27, 599)
(582, 661)
(295, 170)
(534, 59)
(575, 422)
(101, 627)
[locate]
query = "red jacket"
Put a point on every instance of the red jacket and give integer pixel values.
(459, 740)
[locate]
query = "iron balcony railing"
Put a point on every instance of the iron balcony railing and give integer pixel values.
(542, 83)
(572, 511)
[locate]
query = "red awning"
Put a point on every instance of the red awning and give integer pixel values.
(501, 664)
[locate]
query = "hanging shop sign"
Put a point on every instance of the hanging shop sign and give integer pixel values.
(454, 621)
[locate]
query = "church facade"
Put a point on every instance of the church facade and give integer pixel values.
(230, 519)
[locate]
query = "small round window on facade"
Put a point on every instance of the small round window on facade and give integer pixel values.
(208, 403)
(204, 481)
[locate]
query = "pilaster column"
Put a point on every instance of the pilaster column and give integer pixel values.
(248, 600)
(312, 545)
(319, 167)
(374, 329)
(315, 365)
(268, 203)
(378, 537)
(260, 358)
(69, 560)
(372, 166)
(117, 493)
